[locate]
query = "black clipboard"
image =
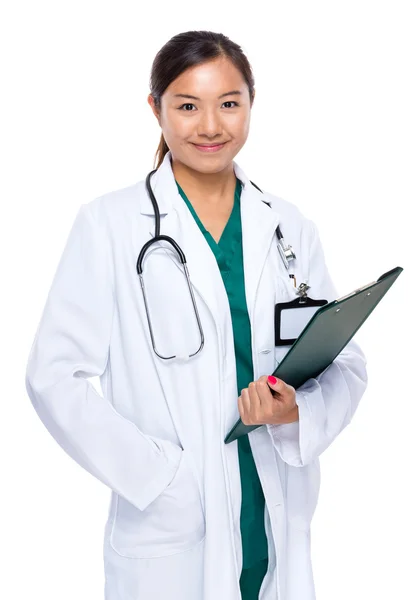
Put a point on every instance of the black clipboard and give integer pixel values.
(324, 336)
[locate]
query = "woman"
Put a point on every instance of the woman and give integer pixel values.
(190, 517)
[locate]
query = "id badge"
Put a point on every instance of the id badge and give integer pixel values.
(291, 318)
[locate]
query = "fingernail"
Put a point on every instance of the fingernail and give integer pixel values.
(272, 379)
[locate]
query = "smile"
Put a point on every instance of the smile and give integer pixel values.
(214, 148)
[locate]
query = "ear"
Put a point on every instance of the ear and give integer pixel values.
(151, 102)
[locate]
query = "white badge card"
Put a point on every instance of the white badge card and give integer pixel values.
(291, 318)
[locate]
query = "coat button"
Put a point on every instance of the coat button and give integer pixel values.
(264, 351)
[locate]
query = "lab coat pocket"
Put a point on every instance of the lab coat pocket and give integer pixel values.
(174, 522)
(302, 494)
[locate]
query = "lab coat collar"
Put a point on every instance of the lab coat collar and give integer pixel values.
(258, 221)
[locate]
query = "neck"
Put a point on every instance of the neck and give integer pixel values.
(210, 188)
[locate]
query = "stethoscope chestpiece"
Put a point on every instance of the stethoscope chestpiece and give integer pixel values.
(286, 252)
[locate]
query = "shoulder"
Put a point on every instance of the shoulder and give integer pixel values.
(303, 235)
(112, 214)
(113, 205)
(282, 206)
(293, 221)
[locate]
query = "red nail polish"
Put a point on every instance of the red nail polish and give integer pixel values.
(272, 379)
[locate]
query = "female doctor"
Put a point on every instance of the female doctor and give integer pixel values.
(190, 517)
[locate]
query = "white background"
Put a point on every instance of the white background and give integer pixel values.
(334, 130)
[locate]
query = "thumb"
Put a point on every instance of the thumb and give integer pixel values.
(276, 384)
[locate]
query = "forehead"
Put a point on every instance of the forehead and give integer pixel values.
(210, 78)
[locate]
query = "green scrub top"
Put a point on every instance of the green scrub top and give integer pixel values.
(229, 256)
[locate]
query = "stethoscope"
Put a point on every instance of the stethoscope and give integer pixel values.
(286, 253)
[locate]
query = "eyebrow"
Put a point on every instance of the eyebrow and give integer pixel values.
(233, 92)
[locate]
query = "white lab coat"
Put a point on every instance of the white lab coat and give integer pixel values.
(156, 437)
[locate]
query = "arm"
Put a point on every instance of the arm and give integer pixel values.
(72, 343)
(326, 404)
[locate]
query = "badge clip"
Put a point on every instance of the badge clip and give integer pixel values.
(302, 292)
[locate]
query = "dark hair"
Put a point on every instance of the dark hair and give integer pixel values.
(186, 50)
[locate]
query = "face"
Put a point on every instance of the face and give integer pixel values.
(213, 115)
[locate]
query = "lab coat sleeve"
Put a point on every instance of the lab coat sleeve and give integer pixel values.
(328, 402)
(72, 343)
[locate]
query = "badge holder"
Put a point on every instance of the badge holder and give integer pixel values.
(290, 318)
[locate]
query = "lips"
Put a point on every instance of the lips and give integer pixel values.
(209, 148)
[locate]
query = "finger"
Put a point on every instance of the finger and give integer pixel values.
(241, 408)
(254, 397)
(255, 403)
(246, 402)
(276, 385)
(246, 406)
(284, 393)
(268, 398)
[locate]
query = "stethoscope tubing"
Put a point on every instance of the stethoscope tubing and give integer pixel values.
(285, 252)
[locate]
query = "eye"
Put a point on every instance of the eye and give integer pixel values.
(189, 104)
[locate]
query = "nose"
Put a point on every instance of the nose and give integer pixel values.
(209, 124)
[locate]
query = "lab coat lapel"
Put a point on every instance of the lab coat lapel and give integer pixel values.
(259, 223)
(258, 228)
(178, 223)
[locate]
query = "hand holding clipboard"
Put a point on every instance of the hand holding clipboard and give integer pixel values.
(325, 335)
